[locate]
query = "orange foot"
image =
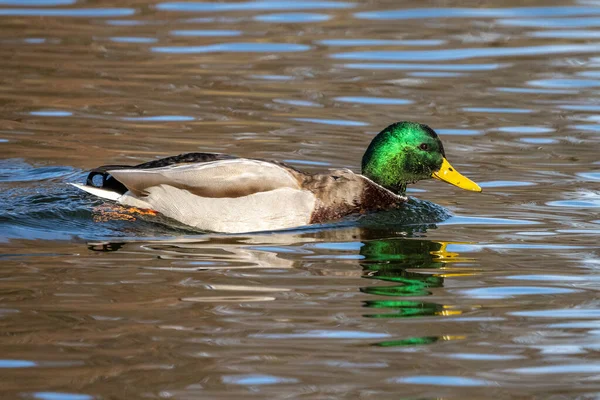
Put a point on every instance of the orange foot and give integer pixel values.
(112, 212)
(140, 211)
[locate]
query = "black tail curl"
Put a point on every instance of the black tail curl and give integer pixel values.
(108, 182)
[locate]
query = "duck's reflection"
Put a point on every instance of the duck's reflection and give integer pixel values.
(414, 267)
(402, 270)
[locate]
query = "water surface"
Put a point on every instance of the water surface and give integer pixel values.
(492, 296)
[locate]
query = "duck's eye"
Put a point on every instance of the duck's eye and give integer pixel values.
(424, 146)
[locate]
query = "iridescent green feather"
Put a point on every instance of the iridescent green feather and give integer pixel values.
(403, 153)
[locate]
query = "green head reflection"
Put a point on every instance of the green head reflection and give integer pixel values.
(415, 266)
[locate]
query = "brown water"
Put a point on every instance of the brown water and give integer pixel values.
(498, 301)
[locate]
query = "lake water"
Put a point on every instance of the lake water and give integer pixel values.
(498, 301)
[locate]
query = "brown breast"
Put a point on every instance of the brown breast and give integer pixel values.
(342, 192)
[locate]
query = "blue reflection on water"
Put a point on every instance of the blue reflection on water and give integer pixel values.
(575, 203)
(565, 83)
(437, 67)
(131, 39)
(380, 42)
(273, 77)
(17, 364)
(589, 368)
(331, 121)
(68, 12)
(298, 103)
(436, 74)
(323, 334)
(500, 292)
(372, 100)
(308, 162)
(265, 5)
(533, 90)
(593, 128)
(344, 246)
(525, 129)
(538, 140)
(235, 48)
(563, 34)
(553, 23)
(458, 132)
(37, 3)
(51, 113)
(35, 40)
(492, 184)
(205, 32)
(497, 110)
(463, 54)
(61, 396)
(577, 313)
(428, 13)
(594, 176)
(458, 220)
(293, 17)
(440, 380)
(257, 379)
(161, 118)
(557, 278)
(126, 22)
(484, 357)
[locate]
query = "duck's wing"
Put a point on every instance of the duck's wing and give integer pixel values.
(219, 177)
(111, 184)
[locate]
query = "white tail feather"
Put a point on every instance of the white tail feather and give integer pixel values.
(103, 193)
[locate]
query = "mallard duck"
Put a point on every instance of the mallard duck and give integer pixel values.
(222, 193)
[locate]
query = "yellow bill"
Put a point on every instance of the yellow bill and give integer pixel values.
(448, 174)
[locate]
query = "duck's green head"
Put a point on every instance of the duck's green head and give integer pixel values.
(407, 152)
